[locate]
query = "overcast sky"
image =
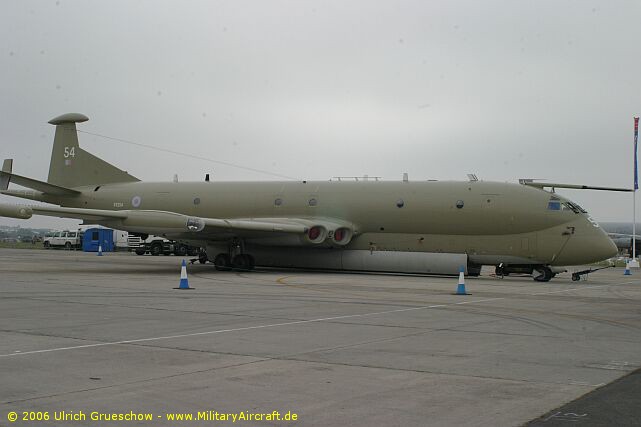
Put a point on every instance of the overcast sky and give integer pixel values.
(315, 89)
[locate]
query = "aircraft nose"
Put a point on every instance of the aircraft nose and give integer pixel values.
(604, 247)
(589, 244)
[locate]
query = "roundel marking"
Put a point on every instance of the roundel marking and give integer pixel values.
(136, 201)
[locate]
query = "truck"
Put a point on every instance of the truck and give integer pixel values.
(121, 241)
(65, 239)
(157, 245)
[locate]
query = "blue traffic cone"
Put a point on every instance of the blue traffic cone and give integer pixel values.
(460, 290)
(184, 283)
(627, 270)
(99, 250)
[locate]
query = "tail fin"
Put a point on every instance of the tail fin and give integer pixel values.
(71, 166)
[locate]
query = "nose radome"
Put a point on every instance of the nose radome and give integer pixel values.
(587, 245)
(605, 248)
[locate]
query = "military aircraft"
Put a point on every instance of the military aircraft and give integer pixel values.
(429, 227)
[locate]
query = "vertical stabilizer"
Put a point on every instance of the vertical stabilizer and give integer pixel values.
(71, 166)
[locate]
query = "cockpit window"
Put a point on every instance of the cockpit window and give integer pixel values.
(574, 207)
(570, 207)
(580, 208)
(555, 204)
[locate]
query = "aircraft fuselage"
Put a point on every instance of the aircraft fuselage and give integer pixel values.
(491, 222)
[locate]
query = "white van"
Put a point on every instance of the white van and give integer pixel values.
(64, 239)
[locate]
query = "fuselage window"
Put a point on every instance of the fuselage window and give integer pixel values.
(554, 206)
(460, 204)
(197, 201)
(278, 202)
(400, 203)
(313, 202)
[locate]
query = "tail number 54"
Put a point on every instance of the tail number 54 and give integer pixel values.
(70, 152)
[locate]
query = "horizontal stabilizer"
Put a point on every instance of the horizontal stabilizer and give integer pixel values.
(7, 166)
(532, 183)
(6, 177)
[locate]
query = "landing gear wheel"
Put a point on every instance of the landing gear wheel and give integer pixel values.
(545, 274)
(202, 257)
(140, 251)
(222, 262)
(243, 262)
(181, 250)
(251, 261)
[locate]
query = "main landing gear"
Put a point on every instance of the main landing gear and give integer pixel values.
(230, 257)
(240, 262)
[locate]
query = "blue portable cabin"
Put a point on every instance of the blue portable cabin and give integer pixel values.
(98, 236)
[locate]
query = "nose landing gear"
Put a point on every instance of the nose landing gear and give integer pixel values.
(540, 273)
(545, 273)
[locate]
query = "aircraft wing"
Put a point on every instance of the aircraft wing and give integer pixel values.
(160, 221)
(533, 183)
(624, 234)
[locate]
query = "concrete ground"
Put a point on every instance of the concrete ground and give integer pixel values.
(615, 404)
(82, 334)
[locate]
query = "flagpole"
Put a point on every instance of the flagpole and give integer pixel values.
(634, 193)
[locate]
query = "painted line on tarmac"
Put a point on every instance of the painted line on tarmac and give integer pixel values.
(586, 287)
(275, 325)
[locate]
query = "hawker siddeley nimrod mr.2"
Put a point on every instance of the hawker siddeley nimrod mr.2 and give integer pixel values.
(430, 227)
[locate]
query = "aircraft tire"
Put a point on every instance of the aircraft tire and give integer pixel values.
(546, 274)
(140, 251)
(251, 260)
(222, 262)
(243, 262)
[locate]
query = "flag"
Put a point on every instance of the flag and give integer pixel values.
(636, 138)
